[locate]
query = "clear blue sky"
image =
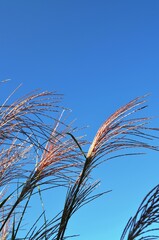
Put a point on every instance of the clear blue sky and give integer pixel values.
(99, 54)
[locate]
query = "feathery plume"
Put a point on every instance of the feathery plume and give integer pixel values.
(119, 132)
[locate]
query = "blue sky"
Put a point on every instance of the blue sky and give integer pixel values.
(99, 54)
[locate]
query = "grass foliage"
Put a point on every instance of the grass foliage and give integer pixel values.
(40, 151)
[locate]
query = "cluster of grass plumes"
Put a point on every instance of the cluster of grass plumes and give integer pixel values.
(37, 156)
(33, 152)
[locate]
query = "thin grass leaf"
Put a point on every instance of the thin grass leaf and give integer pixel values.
(34, 226)
(13, 229)
(43, 208)
(22, 215)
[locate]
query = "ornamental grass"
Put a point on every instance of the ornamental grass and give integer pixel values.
(41, 151)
